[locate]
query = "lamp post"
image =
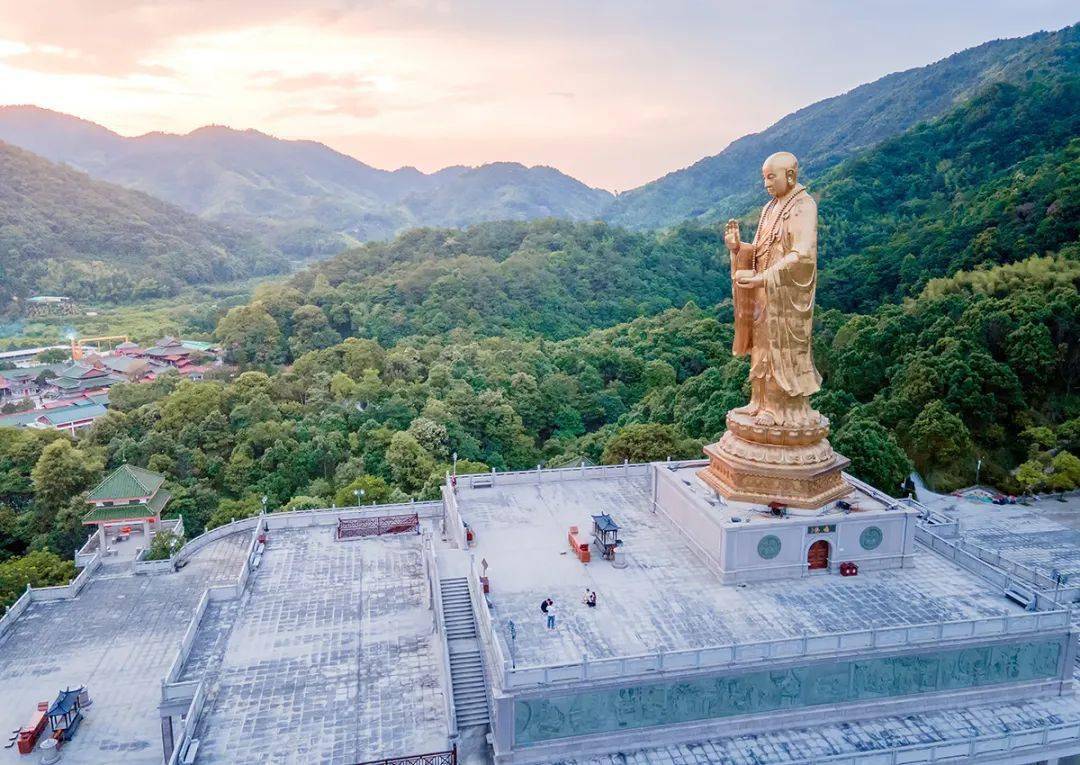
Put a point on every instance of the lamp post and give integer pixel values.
(264, 504)
(359, 493)
(455, 463)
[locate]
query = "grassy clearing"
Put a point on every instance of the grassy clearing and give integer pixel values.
(192, 313)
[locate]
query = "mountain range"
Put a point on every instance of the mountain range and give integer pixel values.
(302, 192)
(311, 199)
(153, 211)
(64, 232)
(825, 133)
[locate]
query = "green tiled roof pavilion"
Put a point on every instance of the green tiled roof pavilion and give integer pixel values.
(128, 492)
(127, 482)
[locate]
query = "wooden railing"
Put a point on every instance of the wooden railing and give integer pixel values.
(449, 757)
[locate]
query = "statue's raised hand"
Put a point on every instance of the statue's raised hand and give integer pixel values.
(731, 236)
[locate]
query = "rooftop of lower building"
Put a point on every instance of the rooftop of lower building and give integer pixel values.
(666, 598)
(332, 657)
(117, 638)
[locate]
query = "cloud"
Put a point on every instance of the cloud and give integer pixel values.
(59, 61)
(311, 81)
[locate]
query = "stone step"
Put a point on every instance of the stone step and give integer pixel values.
(473, 677)
(473, 708)
(465, 722)
(471, 693)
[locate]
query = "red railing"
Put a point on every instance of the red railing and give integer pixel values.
(448, 757)
(348, 528)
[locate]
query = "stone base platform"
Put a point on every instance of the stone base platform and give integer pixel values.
(759, 463)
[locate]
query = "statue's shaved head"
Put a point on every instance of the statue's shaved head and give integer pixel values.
(782, 161)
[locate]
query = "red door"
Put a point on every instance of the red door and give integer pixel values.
(818, 555)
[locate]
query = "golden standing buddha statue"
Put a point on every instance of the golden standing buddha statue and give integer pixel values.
(775, 447)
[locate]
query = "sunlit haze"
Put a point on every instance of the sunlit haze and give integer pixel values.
(615, 93)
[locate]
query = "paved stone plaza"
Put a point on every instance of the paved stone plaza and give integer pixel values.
(1045, 535)
(117, 637)
(666, 598)
(331, 656)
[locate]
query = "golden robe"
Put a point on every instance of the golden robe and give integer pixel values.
(773, 323)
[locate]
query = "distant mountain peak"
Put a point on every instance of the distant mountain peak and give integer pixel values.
(828, 131)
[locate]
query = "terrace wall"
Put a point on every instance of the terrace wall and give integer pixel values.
(648, 701)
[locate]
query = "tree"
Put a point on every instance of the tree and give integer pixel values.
(647, 442)
(61, 472)
(375, 490)
(410, 464)
(53, 356)
(190, 402)
(164, 545)
(310, 331)
(302, 502)
(250, 336)
(1065, 473)
(234, 510)
(41, 568)
(941, 443)
(875, 455)
(1031, 475)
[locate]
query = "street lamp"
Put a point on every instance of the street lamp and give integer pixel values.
(264, 503)
(455, 463)
(359, 493)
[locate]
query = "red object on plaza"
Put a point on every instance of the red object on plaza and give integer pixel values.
(849, 568)
(580, 549)
(29, 733)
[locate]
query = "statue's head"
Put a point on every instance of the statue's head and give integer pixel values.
(780, 173)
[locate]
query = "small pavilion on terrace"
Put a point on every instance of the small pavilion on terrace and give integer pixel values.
(128, 499)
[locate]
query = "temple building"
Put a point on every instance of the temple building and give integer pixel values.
(72, 416)
(129, 497)
(78, 380)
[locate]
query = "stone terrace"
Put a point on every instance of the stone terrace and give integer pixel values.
(117, 637)
(667, 598)
(863, 738)
(332, 657)
(1043, 536)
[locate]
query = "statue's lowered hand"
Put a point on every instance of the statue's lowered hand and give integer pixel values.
(748, 279)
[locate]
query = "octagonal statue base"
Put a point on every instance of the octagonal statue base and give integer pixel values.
(794, 466)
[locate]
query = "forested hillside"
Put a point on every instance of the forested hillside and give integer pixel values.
(984, 364)
(552, 278)
(829, 131)
(61, 232)
(947, 332)
(994, 181)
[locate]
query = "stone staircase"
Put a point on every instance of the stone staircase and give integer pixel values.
(466, 664)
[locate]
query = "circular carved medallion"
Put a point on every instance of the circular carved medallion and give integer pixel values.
(768, 547)
(870, 537)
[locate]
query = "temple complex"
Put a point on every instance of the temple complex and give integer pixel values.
(760, 606)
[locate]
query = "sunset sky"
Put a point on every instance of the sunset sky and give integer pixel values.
(614, 92)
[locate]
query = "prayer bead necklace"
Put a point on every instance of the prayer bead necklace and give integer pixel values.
(774, 229)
